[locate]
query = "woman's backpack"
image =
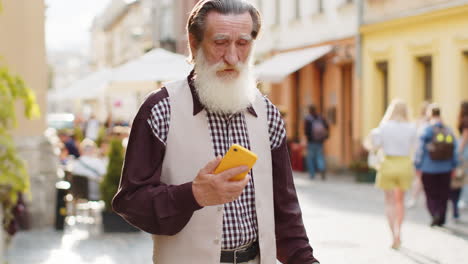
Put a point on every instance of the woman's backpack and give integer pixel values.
(442, 145)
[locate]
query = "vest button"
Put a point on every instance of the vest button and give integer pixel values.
(216, 241)
(220, 208)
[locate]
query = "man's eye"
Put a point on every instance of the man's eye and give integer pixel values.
(220, 42)
(242, 42)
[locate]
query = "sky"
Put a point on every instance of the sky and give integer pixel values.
(68, 23)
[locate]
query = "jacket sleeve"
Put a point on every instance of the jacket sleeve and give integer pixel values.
(291, 238)
(142, 199)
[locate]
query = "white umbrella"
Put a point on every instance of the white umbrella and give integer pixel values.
(157, 65)
(91, 87)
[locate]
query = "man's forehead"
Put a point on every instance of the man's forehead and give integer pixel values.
(217, 23)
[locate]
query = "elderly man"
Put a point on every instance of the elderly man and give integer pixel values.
(168, 186)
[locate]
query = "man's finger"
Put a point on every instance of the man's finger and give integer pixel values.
(211, 166)
(236, 186)
(229, 173)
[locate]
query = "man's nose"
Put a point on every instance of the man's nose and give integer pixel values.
(231, 57)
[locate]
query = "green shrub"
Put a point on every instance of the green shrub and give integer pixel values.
(102, 134)
(78, 134)
(14, 177)
(110, 183)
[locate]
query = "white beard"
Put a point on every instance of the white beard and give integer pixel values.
(225, 95)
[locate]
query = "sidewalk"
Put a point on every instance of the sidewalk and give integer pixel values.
(345, 222)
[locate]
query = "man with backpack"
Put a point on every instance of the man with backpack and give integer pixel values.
(316, 131)
(436, 160)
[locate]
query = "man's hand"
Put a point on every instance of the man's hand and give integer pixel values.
(212, 189)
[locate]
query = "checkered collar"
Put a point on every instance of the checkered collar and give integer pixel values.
(197, 105)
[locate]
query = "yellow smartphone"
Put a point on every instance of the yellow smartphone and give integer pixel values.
(237, 156)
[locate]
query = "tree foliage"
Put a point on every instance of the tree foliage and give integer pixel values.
(14, 178)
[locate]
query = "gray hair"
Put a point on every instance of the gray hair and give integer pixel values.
(197, 18)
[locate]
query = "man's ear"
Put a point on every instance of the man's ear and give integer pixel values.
(193, 43)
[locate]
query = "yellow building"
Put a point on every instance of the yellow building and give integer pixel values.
(421, 54)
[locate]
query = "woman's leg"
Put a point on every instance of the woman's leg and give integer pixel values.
(399, 213)
(390, 210)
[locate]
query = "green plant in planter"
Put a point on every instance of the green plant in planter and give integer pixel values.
(102, 134)
(359, 166)
(78, 134)
(362, 171)
(14, 178)
(110, 183)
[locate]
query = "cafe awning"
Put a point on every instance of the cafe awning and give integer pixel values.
(281, 65)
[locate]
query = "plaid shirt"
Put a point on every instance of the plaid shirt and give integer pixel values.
(157, 208)
(239, 219)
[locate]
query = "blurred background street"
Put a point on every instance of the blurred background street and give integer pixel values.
(74, 73)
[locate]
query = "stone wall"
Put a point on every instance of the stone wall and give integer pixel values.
(42, 167)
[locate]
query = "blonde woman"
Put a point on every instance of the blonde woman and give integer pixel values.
(396, 137)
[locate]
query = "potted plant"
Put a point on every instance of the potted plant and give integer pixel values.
(361, 169)
(109, 185)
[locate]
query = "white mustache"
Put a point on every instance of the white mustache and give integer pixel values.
(221, 66)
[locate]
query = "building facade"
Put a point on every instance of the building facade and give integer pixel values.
(124, 31)
(22, 50)
(128, 29)
(416, 51)
(306, 55)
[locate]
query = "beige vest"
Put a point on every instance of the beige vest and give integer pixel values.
(188, 149)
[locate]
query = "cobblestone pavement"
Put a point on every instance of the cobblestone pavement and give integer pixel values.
(345, 222)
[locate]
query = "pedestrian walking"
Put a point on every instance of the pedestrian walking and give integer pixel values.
(458, 181)
(90, 166)
(92, 127)
(417, 187)
(396, 137)
(69, 144)
(317, 131)
(436, 160)
(168, 186)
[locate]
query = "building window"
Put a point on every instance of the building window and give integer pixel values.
(382, 82)
(278, 12)
(425, 64)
